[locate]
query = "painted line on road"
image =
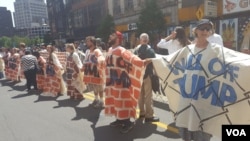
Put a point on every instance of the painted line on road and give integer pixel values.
(90, 96)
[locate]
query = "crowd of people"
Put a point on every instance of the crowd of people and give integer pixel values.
(106, 74)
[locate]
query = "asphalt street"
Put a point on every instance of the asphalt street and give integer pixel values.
(28, 116)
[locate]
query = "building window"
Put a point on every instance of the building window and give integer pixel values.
(128, 4)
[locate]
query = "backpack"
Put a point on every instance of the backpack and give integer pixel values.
(155, 81)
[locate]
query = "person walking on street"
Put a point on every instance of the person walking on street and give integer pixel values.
(143, 50)
(29, 65)
(175, 41)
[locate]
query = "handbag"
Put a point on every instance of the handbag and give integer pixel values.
(50, 70)
(39, 69)
(155, 81)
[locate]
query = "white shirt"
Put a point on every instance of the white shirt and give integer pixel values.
(215, 38)
(171, 45)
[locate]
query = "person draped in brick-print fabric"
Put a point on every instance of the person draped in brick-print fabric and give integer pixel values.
(40, 75)
(94, 73)
(124, 72)
(74, 74)
(14, 68)
(54, 85)
(6, 56)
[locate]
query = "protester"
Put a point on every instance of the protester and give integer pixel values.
(29, 64)
(14, 66)
(120, 100)
(175, 41)
(186, 124)
(22, 47)
(2, 65)
(99, 44)
(55, 85)
(74, 74)
(94, 74)
(40, 70)
(143, 50)
(6, 55)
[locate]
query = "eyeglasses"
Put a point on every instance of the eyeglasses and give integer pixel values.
(204, 28)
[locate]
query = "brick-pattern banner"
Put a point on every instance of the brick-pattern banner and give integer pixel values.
(94, 71)
(13, 70)
(124, 78)
(74, 79)
(52, 84)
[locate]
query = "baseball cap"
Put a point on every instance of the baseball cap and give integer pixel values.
(204, 21)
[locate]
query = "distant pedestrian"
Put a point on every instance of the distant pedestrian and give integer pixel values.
(175, 41)
(29, 64)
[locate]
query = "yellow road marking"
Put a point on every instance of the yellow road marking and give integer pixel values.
(90, 96)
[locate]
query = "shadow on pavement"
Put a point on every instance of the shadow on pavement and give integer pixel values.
(45, 98)
(29, 93)
(5, 82)
(92, 116)
(67, 103)
(140, 131)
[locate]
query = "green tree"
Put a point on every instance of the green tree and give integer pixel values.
(105, 28)
(151, 20)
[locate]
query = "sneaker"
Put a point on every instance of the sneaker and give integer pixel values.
(127, 127)
(99, 104)
(94, 102)
(142, 116)
(152, 119)
(116, 123)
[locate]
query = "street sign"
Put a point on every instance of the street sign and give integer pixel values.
(199, 14)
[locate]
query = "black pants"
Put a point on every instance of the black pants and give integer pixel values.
(30, 76)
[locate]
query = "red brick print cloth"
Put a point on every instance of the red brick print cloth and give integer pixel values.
(52, 84)
(94, 73)
(124, 75)
(13, 69)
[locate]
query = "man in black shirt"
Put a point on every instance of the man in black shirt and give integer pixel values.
(146, 98)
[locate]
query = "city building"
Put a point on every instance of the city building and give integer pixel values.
(31, 18)
(75, 19)
(126, 14)
(57, 19)
(80, 18)
(30, 13)
(6, 24)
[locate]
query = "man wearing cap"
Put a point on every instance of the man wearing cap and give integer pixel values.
(122, 91)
